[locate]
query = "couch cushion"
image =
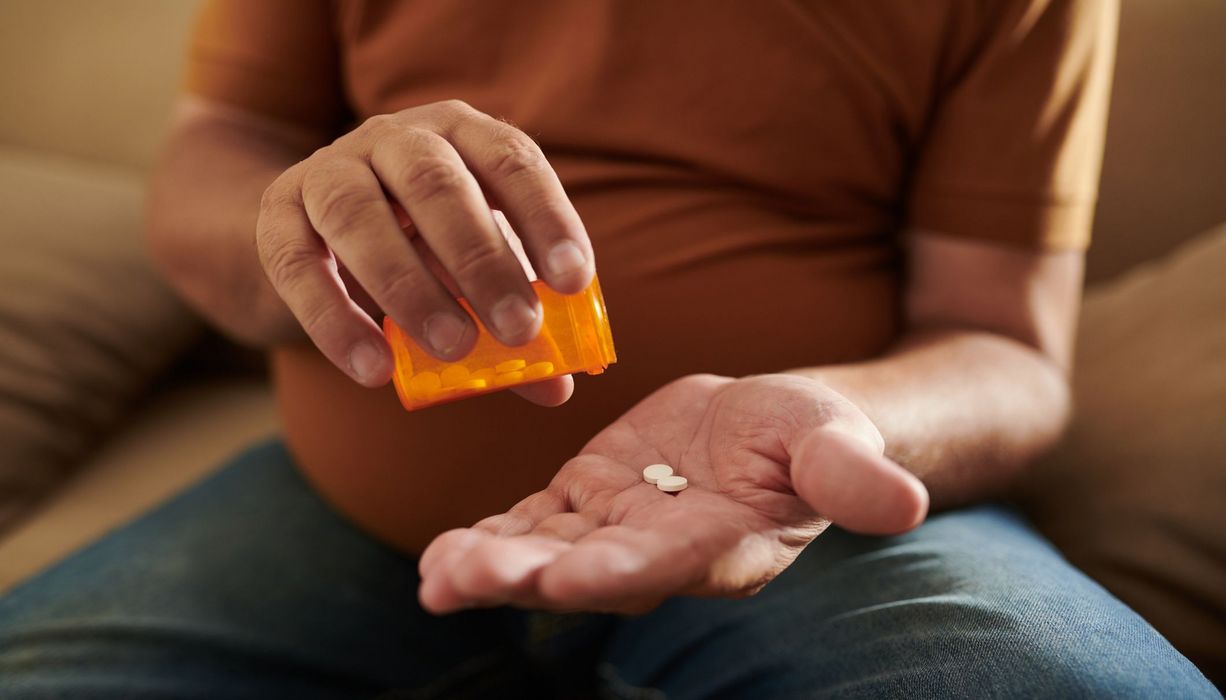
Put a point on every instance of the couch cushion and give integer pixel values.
(84, 324)
(1166, 149)
(174, 438)
(90, 79)
(1136, 494)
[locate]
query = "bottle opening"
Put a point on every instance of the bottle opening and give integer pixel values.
(600, 321)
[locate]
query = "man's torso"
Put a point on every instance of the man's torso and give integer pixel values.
(739, 167)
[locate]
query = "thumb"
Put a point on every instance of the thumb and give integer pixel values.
(844, 480)
(548, 393)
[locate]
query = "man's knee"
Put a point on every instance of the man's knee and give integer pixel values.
(1064, 652)
(973, 604)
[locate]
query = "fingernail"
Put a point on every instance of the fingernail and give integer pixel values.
(565, 258)
(445, 332)
(365, 361)
(513, 316)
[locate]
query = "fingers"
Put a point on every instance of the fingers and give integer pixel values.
(304, 274)
(492, 562)
(549, 393)
(447, 545)
(525, 515)
(514, 171)
(346, 206)
(495, 571)
(859, 490)
(567, 561)
(623, 569)
(434, 186)
(566, 527)
(442, 165)
(547, 571)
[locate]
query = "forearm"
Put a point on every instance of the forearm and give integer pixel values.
(963, 410)
(203, 207)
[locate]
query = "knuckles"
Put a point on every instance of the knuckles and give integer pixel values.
(322, 188)
(342, 208)
(380, 123)
(285, 260)
(397, 288)
(275, 200)
(515, 155)
(438, 117)
(456, 106)
(430, 176)
(477, 260)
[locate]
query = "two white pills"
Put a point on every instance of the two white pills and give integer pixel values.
(662, 476)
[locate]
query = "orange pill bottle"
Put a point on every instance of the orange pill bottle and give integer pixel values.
(575, 337)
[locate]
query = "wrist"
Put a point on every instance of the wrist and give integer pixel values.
(848, 381)
(815, 406)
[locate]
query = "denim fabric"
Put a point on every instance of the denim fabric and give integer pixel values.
(248, 586)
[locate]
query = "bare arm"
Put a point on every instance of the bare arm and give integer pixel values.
(203, 209)
(978, 386)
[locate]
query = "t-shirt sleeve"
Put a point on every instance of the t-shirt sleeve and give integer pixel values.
(279, 58)
(1014, 147)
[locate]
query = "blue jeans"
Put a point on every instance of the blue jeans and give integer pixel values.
(248, 586)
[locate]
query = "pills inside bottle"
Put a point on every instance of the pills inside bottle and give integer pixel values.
(575, 337)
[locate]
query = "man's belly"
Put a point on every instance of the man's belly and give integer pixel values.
(405, 477)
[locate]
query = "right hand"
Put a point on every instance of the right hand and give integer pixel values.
(332, 219)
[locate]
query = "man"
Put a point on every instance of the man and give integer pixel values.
(841, 243)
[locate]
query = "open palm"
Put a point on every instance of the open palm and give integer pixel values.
(771, 461)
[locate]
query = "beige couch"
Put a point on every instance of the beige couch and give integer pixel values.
(86, 88)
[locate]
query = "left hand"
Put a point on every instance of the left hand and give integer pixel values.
(771, 460)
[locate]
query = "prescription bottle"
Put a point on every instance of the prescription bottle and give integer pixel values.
(575, 337)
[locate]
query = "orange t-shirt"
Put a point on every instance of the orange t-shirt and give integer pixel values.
(744, 169)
